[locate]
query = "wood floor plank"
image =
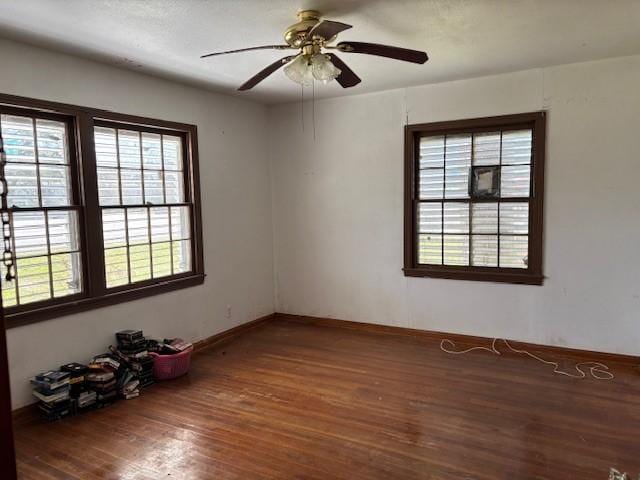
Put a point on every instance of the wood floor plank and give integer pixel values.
(289, 400)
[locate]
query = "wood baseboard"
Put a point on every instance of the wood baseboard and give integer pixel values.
(459, 338)
(232, 333)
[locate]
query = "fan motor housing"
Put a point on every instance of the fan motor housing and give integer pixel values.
(295, 35)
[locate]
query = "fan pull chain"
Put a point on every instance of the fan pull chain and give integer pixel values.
(302, 106)
(8, 257)
(313, 107)
(406, 107)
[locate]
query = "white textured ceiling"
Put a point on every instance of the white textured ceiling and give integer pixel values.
(464, 38)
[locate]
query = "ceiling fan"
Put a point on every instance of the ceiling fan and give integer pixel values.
(311, 36)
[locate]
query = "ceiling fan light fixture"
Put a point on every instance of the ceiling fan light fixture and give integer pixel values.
(323, 69)
(310, 35)
(300, 71)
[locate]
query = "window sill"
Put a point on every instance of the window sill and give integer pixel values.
(48, 312)
(510, 276)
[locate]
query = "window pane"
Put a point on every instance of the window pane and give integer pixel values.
(486, 148)
(484, 251)
(52, 138)
(456, 218)
(172, 151)
(105, 144)
(9, 298)
(116, 263)
(153, 189)
(138, 225)
(181, 256)
(29, 234)
(55, 185)
(22, 185)
(67, 274)
(516, 147)
(514, 218)
(514, 251)
(32, 265)
(484, 218)
(161, 253)
(63, 231)
(457, 182)
(108, 186)
(515, 181)
(180, 223)
(33, 279)
(131, 186)
(174, 187)
(160, 225)
(430, 249)
(456, 249)
(431, 183)
(151, 151)
(113, 227)
(17, 133)
(432, 152)
(458, 162)
(129, 148)
(430, 218)
(140, 262)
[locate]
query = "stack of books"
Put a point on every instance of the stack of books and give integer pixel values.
(132, 346)
(82, 398)
(144, 369)
(120, 373)
(128, 385)
(52, 389)
(102, 378)
(131, 340)
(86, 401)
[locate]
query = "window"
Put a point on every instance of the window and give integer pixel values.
(141, 193)
(45, 224)
(473, 199)
(104, 207)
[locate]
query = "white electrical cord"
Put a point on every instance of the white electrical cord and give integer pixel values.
(597, 370)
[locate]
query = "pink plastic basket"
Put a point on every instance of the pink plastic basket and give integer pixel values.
(166, 367)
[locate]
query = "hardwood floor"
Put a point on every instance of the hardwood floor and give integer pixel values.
(294, 401)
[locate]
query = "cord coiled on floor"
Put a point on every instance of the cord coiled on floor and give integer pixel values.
(597, 370)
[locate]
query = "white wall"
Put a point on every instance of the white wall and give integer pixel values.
(236, 211)
(338, 209)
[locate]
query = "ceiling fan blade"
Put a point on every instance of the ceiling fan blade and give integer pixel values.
(264, 47)
(347, 77)
(261, 75)
(327, 29)
(397, 53)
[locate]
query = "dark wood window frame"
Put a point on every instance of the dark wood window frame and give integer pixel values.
(531, 275)
(81, 121)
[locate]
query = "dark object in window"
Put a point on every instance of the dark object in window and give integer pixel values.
(474, 199)
(484, 182)
(105, 207)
